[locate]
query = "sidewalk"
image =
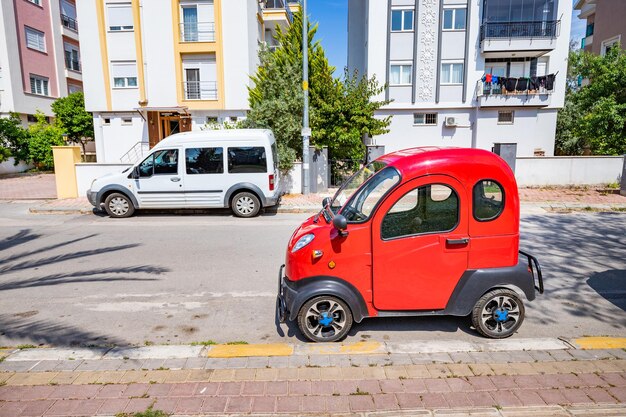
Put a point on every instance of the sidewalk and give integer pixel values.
(533, 200)
(426, 378)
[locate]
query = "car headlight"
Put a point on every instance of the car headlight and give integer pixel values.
(302, 242)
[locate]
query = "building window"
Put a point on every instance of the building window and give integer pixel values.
(589, 30)
(197, 21)
(35, 39)
(39, 85)
(71, 88)
(609, 43)
(401, 20)
(506, 117)
(211, 120)
(401, 74)
(454, 19)
(68, 15)
(106, 121)
(452, 73)
(124, 74)
(425, 119)
(37, 2)
(127, 120)
(120, 17)
(72, 57)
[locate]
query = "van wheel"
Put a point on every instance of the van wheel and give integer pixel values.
(325, 319)
(245, 204)
(498, 314)
(118, 205)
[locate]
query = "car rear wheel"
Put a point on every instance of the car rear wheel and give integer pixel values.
(118, 205)
(325, 319)
(245, 204)
(498, 314)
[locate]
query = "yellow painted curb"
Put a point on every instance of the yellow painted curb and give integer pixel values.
(350, 349)
(238, 351)
(601, 342)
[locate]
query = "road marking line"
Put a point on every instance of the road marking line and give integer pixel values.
(239, 351)
(601, 342)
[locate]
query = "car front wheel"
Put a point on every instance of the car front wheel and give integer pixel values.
(498, 314)
(325, 319)
(117, 205)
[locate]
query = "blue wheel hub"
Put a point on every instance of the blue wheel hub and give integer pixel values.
(325, 319)
(500, 315)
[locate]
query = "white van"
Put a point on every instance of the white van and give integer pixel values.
(202, 169)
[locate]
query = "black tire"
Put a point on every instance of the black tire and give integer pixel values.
(118, 206)
(325, 327)
(498, 314)
(245, 204)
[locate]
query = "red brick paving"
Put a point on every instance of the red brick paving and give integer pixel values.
(27, 187)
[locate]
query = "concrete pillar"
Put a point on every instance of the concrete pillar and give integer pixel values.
(507, 151)
(65, 158)
(318, 170)
(622, 188)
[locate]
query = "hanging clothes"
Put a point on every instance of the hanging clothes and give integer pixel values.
(488, 78)
(534, 83)
(495, 80)
(522, 84)
(510, 84)
(550, 81)
(484, 77)
(542, 81)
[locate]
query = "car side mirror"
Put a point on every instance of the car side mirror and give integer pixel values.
(326, 202)
(135, 173)
(341, 224)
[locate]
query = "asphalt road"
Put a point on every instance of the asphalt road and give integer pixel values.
(67, 280)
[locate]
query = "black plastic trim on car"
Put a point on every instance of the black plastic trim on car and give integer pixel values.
(116, 188)
(533, 265)
(244, 186)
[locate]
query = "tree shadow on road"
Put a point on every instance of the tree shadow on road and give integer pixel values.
(35, 262)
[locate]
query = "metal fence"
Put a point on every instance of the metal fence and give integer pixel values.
(537, 29)
(197, 32)
(342, 169)
(69, 22)
(200, 90)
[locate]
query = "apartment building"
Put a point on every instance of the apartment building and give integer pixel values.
(468, 73)
(605, 24)
(158, 67)
(39, 55)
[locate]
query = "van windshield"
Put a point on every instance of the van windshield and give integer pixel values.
(360, 206)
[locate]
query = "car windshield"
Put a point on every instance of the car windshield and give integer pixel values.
(361, 205)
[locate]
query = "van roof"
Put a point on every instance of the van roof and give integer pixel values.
(202, 135)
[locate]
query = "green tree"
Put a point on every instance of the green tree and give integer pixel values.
(43, 136)
(13, 139)
(342, 111)
(71, 116)
(594, 116)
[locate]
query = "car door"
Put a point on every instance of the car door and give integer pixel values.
(160, 183)
(420, 244)
(205, 180)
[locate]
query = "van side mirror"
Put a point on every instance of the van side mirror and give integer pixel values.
(341, 224)
(326, 202)
(135, 173)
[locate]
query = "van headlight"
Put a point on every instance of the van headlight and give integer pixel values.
(302, 242)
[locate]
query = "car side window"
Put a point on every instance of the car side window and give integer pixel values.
(429, 208)
(166, 162)
(488, 200)
(250, 159)
(204, 160)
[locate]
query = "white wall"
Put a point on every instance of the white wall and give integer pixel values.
(86, 173)
(568, 170)
(119, 137)
(237, 52)
(292, 182)
(9, 167)
(90, 54)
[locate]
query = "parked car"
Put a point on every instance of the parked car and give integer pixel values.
(419, 232)
(221, 168)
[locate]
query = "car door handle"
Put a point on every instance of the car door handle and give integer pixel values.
(175, 179)
(461, 241)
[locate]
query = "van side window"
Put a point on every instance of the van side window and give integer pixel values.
(427, 209)
(488, 199)
(163, 162)
(247, 160)
(204, 160)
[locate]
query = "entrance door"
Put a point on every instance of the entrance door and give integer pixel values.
(170, 125)
(160, 183)
(420, 244)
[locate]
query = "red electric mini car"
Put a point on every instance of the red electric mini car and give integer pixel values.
(419, 232)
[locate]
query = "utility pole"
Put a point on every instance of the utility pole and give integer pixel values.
(306, 130)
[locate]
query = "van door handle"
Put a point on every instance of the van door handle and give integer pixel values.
(461, 241)
(175, 179)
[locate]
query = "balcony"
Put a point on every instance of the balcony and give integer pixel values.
(524, 38)
(493, 95)
(200, 90)
(278, 11)
(69, 22)
(197, 32)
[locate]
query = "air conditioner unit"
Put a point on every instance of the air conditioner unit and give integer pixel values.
(451, 121)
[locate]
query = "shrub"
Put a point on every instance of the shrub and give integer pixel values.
(43, 136)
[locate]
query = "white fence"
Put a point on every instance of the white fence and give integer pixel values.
(86, 173)
(9, 167)
(568, 170)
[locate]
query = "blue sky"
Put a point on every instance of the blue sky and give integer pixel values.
(332, 16)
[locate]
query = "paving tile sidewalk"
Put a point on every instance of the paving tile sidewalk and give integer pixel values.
(27, 187)
(514, 383)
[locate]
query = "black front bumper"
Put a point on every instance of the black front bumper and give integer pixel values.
(533, 266)
(286, 297)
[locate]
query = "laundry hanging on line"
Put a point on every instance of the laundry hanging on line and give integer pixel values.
(511, 84)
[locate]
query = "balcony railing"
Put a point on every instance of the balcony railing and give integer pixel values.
(69, 22)
(529, 88)
(197, 32)
(520, 30)
(200, 90)
(280, 5)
